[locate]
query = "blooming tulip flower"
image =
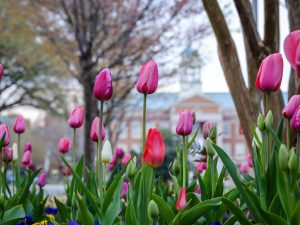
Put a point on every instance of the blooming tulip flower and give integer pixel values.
(15, 151)
(5, 129)
(26, 158)
(249, 160)
(94, 132)
(7, 154)
(119, 152)
(103, 88)
(1, 71)
(127, 156)
(124, 189)
(201, 166)
(181, 202)
(19, 125)
(206, 128)
(295, 121)
(244, 168)
(27, 147)
(291, 107)
(270, 73)
(64, 145)
(148, 78)
(42, 179)
(185, 123)
(76, 118)
(155, 150)
(291, 49)
(106, 152)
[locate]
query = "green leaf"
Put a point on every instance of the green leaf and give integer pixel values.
(63, 210)
(295, 218)
(165, 210)
(220, 183)
(190, 143)
(11, 215)
(175, 184)
(84, 214)
(202, 188)
(130, 216)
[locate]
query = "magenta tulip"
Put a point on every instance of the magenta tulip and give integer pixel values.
(64, 145)
(27, 147)
(111, 166)
(201, 166)
(270, 73)
(291, 107)
(185, 123)
(42, 179)
(206, 127)
(119, 152)
(292, 50)
(124, 189)
(19, 125)
(198, 190)
(244, 168)
(67, 172)
(1, 71)
(26, 158)
(127, 156)
(95, 130)
(5, 129)
(148, 79)
(103, 88)
(7, 154)
(76, 118)
(295, 121)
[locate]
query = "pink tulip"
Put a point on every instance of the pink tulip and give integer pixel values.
(26, 158)
(292, 50)
(249, 160)
(206, 127)
(111, 166)
(19, 125)
(7, 154)
(124, 189)
(76, 118)
(67, 172)
(127, 156)
(42, 179)
(94, 132)
(64, 145)
(201, 166)
(291, 107)
(30, 165)
(270, 73)
(295, 121)
(103, 88)
(198, 190)
(185, 123)
(5, 129)
(119, 152)
(148, 79)
(27, 147)
(181, 202)
(1, 71)
(244, 168)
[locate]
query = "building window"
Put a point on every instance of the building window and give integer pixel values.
(136, 129)
(123, 131)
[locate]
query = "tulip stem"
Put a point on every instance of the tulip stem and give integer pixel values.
(2, 181)
(184, 160)
(212, 171)
(99, 169)
(104, 179)
(266, 103)
(18, 177)
(74, 147)
(13, 177)
(298, 148)
(144, 121)
(288, 134)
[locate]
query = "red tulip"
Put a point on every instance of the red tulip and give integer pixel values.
(103, 88)
(19, 125)
(295, 121)
(119, 152)
(76, 118)
(292, 50)
(5, 129)
(244, 168)
(42, 179)
(291, 107)
(249, 160)
(201, 166)
(26, 158)
(64, 145)
(1, 71)
(28, 147)
(181, 202)
(124, 189)
(148, 79)
(7, 154)
(94, 132)
(185, 123)
(206, 127)
(127, 156)
(270, 73)
(155, 150)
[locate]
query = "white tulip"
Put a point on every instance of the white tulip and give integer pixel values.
(106, 152)
(15, 151)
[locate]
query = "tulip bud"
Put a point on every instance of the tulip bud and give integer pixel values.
(153, 211)
(94, 132)
(213, 134)
(106, 152)
(26, 158)
(67, 172)
(181, 202)
(15, 152)
(119, 152)
(4, 129)
(124, 189)
(209, 147)
(291, 107)
(127, 156)
(1, 71)
(295, 121)
(292, 164)
(27, 147)
(19, 125)
(198, 190)
(185, 123)
(176, 167)
(201, 166)
(260, 122)
(131, 168)
(249, 160)
(244, 168)
(270, 73)
(148, 79)
(269, 120)
(42, 179)
(291, 49)
(283, 157)
(111, 166)
(64, 145)
(7, 154)
(103, 89)
(206, 128)
(76, 118)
